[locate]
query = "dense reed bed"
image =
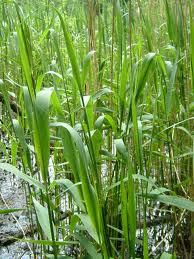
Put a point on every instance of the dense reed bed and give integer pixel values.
(97, 105)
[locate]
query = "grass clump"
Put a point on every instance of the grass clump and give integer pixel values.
(98, 98)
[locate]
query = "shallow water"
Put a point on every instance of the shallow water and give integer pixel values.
(15, 250)
(12, 196)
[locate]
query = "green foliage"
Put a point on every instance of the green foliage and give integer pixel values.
(97, 103)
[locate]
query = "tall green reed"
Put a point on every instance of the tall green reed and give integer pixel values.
(108, 100)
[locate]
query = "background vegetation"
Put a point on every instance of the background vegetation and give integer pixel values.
(97, 112)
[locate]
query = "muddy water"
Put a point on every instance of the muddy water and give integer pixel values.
(12, 225)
